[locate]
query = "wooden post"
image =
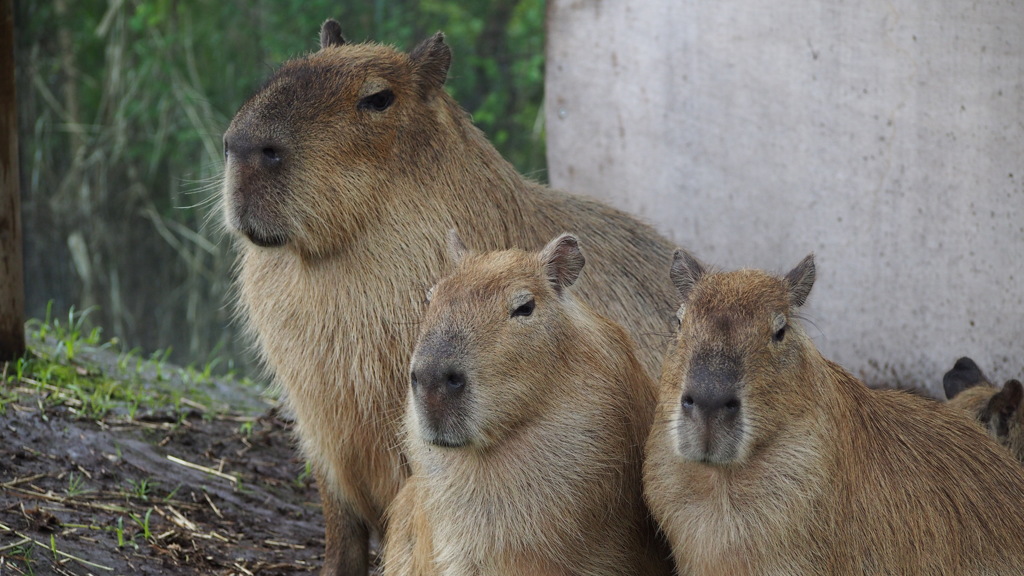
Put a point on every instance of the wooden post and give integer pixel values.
(12, 278)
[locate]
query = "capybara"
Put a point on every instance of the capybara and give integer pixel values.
(767, 458)
(998, 410)
(343, 174)
(525, 427)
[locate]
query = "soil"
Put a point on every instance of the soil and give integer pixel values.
(182, 492)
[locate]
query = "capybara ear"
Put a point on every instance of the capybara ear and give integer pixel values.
(563, 261)
(686, 271)
(964, 374)
(330, 34)
(456, 247)
(431, 60)
(1005, 403)
(800, 281)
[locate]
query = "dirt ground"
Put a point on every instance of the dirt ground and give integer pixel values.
(174, 492)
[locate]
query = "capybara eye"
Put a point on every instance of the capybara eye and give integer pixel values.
(779, 334)
(525, 309)
(378, 102)
(688, 402)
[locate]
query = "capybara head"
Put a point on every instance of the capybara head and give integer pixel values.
(309, 155)
(737, 352)
(997, 410)
(1003, 416)
(488, 347)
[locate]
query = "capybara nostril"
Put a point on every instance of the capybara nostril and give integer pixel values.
(711, 404)
(456, 381)
(271, 156)
(436, 376)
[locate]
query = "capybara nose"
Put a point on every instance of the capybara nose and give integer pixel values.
(246, 149)
(709, 404)
(438, 379)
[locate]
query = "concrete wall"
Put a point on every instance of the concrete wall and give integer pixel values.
(887, 137)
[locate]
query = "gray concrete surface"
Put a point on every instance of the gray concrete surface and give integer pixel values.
(886, 137)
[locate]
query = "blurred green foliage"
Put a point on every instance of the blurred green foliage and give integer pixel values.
(121, 108)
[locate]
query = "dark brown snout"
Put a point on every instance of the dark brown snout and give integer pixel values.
(712, 390)
(711, 408)
(440, 391)
(253, 151)
(255, 164)
(438, 382)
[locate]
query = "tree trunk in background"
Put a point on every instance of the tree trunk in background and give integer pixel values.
(885, 136)
(12, 289)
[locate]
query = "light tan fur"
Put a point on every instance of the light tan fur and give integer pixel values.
(537, 469)
(341, 212)
(826, 476)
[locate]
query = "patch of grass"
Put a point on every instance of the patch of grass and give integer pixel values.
(245, 428)
(64, 367)
(305, 476)
(76, 485)
(21, 556)
(119, 531)
(70, 335)
(143, 523)
(140, 489)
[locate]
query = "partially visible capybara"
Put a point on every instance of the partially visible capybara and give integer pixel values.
(766, 458)
(343, 174)
(526, 422)
(998, 410)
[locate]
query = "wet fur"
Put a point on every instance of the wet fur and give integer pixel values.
(832, 477)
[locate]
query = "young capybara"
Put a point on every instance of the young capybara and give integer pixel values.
(343, 174)
(525, 426)
(998, 410)
(767, 458)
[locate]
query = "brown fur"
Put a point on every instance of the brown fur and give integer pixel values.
(821, 474)
(526, 431)
(997, 410)
(341, 212)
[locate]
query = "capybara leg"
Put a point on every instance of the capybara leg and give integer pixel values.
(348, 539)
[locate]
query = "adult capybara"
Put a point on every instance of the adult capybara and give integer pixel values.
(525, 426)
(766, 458)
(343, 174)
(998, 410)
